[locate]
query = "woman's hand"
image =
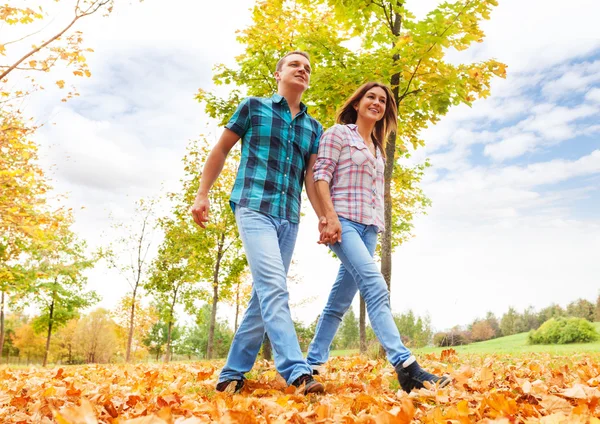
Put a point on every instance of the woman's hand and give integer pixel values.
(331, 231)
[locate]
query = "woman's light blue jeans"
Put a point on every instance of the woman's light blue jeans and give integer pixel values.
(358, 271)
(269, 244)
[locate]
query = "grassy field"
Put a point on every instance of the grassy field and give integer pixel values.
(514, 344)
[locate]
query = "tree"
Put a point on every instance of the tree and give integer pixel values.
(145, 318)
(64, 343)
(416, 331)
(510, 322)
(25, 218)
(491, 319)
(216, 255)
(529, 320)
(222, 335)
(23, 210)
(130, 257)
(349, 331)
(481, 331)
(60, 287)
(96, 337)
(597, 314)
(582, 308)
(394, 48)
(172, 279)
(552, 311)
(30, 344)
(242, 290)
(159, 339)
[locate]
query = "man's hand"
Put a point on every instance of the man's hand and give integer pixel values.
(322, 223)
(332, 231)
(200, 210)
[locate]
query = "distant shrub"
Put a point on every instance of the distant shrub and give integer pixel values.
(481, 331)
(451, 338)
(563, 331)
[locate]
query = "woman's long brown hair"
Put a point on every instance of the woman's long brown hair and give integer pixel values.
(348, 115)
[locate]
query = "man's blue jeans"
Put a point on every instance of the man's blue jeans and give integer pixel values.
(269, 244)
(358, 271)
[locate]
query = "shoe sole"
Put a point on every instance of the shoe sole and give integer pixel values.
(315, 387)
(444, 381)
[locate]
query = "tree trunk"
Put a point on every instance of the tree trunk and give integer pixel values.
(213, 319)
(50, 322)
(267, 349)
(390, 151)
(213, 313)
(131, 325)
(170, 327)
(2, 326)
(362, 327)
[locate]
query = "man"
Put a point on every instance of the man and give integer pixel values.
(279, 146)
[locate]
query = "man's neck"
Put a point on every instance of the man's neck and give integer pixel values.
(292, 98)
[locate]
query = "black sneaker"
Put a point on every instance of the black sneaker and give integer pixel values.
(413, 377)
(227, 386)
(310, 384)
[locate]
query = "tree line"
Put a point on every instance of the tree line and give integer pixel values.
(514, 322)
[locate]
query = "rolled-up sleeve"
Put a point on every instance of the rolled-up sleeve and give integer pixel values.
(240, 121)
(330, 147)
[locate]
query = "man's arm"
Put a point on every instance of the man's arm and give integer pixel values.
(211, 171)
(309, 183)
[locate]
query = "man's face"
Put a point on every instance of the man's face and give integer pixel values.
(295, 72)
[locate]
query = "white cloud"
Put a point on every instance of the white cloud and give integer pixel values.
(593, 95)
(511, 147)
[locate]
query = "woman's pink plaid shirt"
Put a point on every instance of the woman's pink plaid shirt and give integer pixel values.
(354, 175)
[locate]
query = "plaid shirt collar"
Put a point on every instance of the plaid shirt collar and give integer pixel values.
(278, 98)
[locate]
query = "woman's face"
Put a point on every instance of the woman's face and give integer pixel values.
(372, 105)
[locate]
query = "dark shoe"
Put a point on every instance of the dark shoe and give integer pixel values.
(227, 386)
(414, 377)
(310, 384)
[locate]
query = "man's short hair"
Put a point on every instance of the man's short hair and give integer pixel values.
(282, 60)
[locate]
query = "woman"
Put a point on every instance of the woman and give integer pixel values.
(348, 178)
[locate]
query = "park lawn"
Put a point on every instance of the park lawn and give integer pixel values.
(516, 344)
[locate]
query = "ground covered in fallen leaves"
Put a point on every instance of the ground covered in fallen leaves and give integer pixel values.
(488, 389)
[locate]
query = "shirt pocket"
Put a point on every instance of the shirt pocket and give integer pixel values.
(358, 153)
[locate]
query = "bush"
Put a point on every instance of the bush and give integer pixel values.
(451, 338)
(564, 330)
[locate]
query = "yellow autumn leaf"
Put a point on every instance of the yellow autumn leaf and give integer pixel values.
(60, 83)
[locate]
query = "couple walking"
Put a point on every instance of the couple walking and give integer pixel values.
(282, 147)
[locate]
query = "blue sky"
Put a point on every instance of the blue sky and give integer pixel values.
(515, 180)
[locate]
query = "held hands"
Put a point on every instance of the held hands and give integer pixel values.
(330, 229)
(200, 210)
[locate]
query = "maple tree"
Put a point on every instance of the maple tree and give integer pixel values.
(394, 48)
(172, 280)
(64, 47)
(215, 253)
(59, 287)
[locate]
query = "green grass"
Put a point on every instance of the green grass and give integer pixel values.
(343, 352)
(517, 343)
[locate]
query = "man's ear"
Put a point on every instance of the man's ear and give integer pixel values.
(276, 75)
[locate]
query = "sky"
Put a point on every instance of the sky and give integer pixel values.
(514, 181)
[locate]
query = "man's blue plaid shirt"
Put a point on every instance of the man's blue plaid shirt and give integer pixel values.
(275, 151)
